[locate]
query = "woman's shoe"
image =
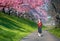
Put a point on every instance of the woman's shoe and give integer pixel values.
(39, 34)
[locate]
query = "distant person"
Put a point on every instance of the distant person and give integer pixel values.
(39, 27)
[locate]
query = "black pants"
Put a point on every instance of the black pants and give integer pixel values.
(40, 29)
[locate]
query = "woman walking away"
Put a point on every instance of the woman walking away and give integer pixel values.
(39, 27)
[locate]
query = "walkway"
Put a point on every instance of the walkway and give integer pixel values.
(46, 37)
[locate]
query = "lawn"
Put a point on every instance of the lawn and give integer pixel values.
(56, 32)
(13, 28)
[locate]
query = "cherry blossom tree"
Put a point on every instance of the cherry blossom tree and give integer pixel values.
(24, 5)
(17, 4)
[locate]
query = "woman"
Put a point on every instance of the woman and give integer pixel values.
(39, 27)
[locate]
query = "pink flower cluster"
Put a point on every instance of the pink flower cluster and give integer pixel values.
(18, 4)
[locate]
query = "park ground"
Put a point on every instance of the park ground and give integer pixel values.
(15, 29)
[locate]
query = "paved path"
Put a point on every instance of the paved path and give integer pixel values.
(46, 37)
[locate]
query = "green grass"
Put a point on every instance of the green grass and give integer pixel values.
(55, 32)
(13, 28)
